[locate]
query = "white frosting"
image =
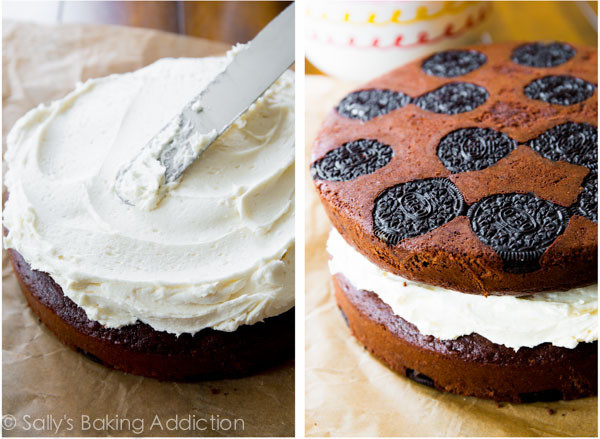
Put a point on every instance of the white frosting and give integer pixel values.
(562, 318)
(217, 252)
(142, 182)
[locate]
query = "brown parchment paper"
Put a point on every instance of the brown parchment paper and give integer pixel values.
(350, 393)
(43, 381)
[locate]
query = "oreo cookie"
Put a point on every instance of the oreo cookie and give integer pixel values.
(345, 317)
(587, 203)
(559, 90)
(419, 378)
(367, 104)
(452, 63)
(575, 143)
(473, 149)
(453, 98)
(351, 160)
(520, 227)
(542, 55)
(415, 208)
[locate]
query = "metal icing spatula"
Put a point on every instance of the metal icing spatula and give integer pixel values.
(176, 146)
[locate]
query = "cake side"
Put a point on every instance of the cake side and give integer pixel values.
(139, 349)
(469, 365)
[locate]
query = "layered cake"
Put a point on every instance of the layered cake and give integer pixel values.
(462, 189)
(199, 284)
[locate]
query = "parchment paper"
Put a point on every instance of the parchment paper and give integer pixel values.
(350, 393)
(43, 381)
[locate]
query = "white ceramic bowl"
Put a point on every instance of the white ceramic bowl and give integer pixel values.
(362, 39)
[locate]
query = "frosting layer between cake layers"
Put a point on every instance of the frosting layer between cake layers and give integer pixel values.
(216, 252)
(562, 318)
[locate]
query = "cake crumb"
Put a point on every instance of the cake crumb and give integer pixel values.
(551, 411)
(404, 284)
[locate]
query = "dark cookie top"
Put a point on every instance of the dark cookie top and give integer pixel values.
(473, 149)
(490, 186)
(520, 227)
(560, 90)
(367, 104)
(543, 55)
(351, 160)
(575, 143)
(587, 203)
(415, 208)
(452, 63)
(453, 98)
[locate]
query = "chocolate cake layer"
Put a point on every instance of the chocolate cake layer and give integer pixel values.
(469, 365)
(402, 163)
(141, 350)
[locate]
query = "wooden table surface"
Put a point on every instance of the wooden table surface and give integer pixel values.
(227, 21)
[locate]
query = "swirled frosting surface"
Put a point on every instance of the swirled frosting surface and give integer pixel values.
(563, 318)
(218, 251)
